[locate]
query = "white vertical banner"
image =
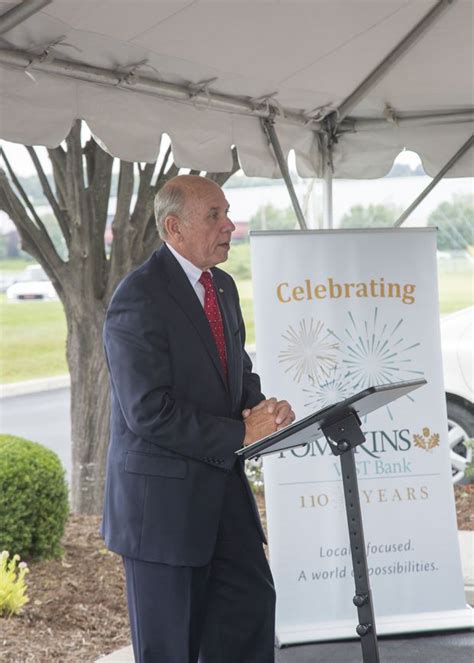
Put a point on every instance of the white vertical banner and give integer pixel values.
(336, 312)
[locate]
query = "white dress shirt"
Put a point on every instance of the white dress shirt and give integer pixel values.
(192, 272)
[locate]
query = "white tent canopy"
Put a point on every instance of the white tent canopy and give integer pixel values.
(205, 73)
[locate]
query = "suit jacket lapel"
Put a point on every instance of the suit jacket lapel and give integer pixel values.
(183, 293)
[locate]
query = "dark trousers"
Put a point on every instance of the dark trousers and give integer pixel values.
(223, 612)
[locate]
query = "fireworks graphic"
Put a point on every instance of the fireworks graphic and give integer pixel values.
(329, 391)
(375, 352)
(310, 352)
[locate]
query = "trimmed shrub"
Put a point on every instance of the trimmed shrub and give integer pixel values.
(33, 499)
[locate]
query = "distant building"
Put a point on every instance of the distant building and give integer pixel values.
(241, 232)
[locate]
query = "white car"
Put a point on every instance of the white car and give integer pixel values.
(457, 344)
(33, 284)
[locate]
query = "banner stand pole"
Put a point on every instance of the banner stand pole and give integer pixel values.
(343, 435)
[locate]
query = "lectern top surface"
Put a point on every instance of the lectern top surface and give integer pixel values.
(310, 427)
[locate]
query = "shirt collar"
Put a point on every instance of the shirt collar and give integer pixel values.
(192, 272)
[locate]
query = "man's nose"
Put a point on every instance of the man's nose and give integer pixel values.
(230, 226)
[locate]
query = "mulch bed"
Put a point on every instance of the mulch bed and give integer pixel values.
(77, 610)
(465, 506)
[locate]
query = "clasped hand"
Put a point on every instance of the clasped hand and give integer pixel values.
(266, 418)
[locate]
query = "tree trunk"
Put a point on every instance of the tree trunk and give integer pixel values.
(90, 407)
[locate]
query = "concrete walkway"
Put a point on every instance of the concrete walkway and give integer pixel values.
(451, 648)
(466, 546)
(34, 386)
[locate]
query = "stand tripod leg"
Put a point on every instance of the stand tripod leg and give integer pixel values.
(343, 436)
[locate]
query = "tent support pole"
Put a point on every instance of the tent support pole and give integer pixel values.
(467, 145)
(326, 142)
(20, 13)
(268, 125)
(346, 107)
(327, 198)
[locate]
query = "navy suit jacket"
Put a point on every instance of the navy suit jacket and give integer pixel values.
(175, 420)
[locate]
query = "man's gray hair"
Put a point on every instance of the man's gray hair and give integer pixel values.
(170, 199)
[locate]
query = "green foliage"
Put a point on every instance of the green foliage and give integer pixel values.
(455, 222)
(269, 217)
(15, 264)
(254, 472)
(238, 262)
(12, 584)
(372, 216)
(455, 289)
(33, 499)
(241, 181)
(405, 170)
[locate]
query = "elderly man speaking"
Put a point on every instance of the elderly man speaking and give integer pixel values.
(178, 506)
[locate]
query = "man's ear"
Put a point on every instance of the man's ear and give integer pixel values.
(172, 226)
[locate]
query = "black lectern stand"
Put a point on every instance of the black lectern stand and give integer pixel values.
(341, 425)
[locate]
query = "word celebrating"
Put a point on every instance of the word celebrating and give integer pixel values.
(286, 292)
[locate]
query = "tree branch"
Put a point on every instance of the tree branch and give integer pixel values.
(150, 232)
(75, 185)
(99, 164)
(97, 258)
(37, 242)
(120, 255)
(148, 229)
(124, 194)
(221, 178)
(172, 171)
(164, 163)
(57, 156)
(151, 240)
(61, 215)
(146, 173)
(144, 202)
(23, 194)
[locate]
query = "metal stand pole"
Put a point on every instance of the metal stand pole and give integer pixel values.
(343, 436)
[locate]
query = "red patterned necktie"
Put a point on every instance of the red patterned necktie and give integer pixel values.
(213, 314)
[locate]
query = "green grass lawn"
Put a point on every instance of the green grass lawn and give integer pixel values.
(456, 290)
(33, 340)
(246, 303)
(15, 265)
(34, 333)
